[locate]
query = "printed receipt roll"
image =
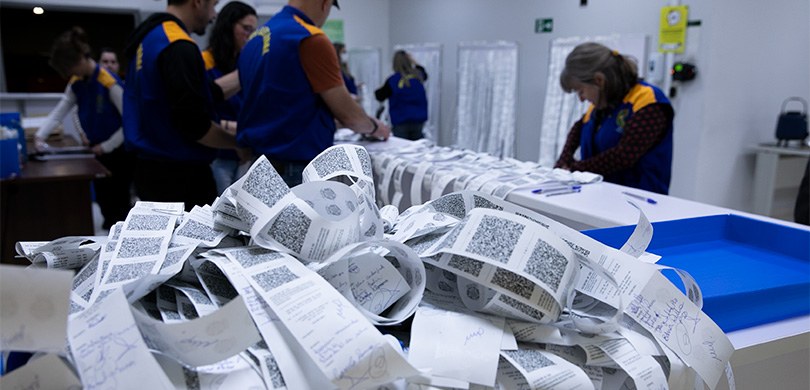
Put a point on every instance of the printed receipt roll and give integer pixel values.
(384, 279)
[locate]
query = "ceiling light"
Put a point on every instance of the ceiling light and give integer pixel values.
(38, 11)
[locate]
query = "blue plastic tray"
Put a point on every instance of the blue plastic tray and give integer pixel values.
(751, 272)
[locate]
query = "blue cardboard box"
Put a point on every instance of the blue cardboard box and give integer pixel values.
(11, 150)
(751, 272)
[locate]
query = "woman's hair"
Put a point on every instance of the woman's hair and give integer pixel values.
(402, 64)
(68, 49)
(344, 67)
(590, 58)
(221, 43)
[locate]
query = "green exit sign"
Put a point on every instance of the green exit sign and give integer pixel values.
(543, 25)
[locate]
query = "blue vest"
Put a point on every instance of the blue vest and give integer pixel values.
(147, 120)
(654, 170)
(97, 114)
(281, 116)
(408, 101)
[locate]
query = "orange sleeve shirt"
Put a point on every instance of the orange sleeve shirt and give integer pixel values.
(320, 63)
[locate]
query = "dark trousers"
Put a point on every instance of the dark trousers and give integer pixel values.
(175, 181)
(113, 192)
(410, 130)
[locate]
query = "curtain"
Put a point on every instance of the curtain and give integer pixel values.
(487, 93)
(364, 64)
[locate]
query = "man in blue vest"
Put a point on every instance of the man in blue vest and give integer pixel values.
(294, 91)
(169, 118)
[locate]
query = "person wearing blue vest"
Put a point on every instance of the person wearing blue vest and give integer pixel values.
(97, 95)
(235, 23)
(169, 117)
(407, 99)
(348, 79)
(294, 92)
(626, 133)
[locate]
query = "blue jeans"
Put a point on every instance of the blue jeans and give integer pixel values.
(225, 173)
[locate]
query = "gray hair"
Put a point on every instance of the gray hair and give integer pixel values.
(590, 58)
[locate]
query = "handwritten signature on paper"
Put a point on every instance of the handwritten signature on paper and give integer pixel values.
(674, 318)
(383, 296)
(473, 335)
(107, 356)
(709, 344)
(189, 344)
(16, 339)
(367, 364)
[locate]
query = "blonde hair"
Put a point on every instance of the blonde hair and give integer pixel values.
(403, 65)
(590, 58)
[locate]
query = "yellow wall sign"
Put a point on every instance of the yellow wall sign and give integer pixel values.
(672, 34)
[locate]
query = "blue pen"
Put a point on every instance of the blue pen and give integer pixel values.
(546, 190)
(639, 197)
(569, 191)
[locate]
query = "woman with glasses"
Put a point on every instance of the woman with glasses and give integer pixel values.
(234, 25)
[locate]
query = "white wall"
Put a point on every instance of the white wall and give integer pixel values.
(750, 56)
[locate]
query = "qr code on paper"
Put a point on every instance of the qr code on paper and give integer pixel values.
(290, 228)
(365, 160)
(245, 215)
(265, 184)
(332, 161)
(139, 247)
(219, 287)
(481, 202)
(521, 307)
(528, 359)
(513, 282)
(248, 257)
(466, 264)
(452, 204)
(147, 222)
(275, 277)
(198, 231)
(546, 264)
(124, 272)
(173, 257)
(495, 238)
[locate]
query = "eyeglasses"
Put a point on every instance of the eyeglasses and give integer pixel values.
(247, 27)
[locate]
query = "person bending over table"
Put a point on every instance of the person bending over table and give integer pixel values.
(626, 133)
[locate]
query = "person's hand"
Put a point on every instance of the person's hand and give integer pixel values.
(228, 126)
(383, 130)
(40, 145)
(97, 150)
(245, 155)
(85, 141)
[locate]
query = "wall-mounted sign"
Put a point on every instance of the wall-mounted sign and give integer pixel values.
(543, 25)
(672, 33)
(333, 28)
